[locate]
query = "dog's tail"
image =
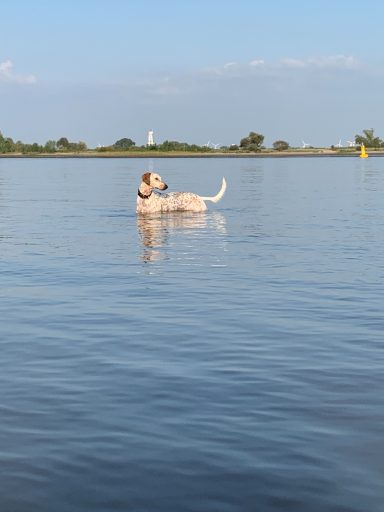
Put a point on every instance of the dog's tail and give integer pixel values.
(219, 195)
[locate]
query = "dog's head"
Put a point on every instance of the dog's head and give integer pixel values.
(153, 180)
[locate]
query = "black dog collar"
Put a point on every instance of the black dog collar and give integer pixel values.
(143, 196)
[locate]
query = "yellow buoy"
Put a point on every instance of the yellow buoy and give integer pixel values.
(363, 153)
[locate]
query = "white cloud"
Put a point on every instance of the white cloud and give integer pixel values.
(233, 68)
(332, 61)
(8, 75)
(260, 71)
(230, 65)
(257, 63)
(260, 67)
(293, 63)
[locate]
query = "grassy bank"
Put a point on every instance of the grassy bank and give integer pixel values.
(185, 154)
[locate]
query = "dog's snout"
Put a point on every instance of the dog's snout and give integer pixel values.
(165, 186)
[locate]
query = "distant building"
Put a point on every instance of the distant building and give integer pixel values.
(150, 141)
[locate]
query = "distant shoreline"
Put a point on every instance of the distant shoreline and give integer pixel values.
(275, 154)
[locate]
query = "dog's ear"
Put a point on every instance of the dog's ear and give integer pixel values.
(146, 178)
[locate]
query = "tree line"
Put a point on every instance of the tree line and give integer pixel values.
(126, 144)
(369, 140)
(252, 143)
(7, 145)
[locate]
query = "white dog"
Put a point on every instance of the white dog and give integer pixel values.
(149, 201)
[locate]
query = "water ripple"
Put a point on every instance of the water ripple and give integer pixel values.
(230, 360)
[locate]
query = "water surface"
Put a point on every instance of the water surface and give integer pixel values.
(224, 361)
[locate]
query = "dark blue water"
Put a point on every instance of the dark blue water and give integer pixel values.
(217, 362)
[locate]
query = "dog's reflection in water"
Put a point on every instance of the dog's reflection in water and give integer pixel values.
(159, 232)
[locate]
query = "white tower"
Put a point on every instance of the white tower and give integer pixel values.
(150, 141)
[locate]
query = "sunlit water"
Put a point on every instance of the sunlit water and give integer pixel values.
(217, 362)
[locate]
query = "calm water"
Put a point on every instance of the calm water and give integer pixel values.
(219, 362)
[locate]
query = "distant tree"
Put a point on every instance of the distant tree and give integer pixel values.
(19, 146)
(280, 145)
(76, 147)
(369, 140)
(253, 142)
(6, 144)
(124, 144)
(32, 148)
(174, 145)
(62, 143)
(169, 145)
(194, 147)
(36, 148)
(50, 146)
(81, 146)
(233, 147)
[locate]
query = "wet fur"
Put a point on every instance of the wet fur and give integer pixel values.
(150, 201)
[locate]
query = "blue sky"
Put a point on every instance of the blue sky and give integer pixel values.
(192, 71)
